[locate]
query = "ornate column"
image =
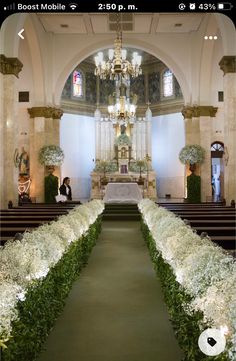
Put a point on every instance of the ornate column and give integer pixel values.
(143, 138)
(111, 136)
(9, 71)
(138, 139)
(44, 130)
(198, 126)
(133, 138)
(97, 116)
(228, 66)
(148, 116)
(187, 113)
(102, 140)
(107, 141)
(146, 87)
(205, 122)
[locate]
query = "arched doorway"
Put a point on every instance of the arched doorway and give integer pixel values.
(217, 171)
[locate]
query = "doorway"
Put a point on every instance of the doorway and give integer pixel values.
(217, 171)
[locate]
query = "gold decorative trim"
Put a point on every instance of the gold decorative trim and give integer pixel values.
(45, 112)
(198, 111)
(10, 65)
(207, 110)
(228, 64)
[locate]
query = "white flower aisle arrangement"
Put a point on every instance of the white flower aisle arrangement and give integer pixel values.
(50, 155)
(25, 265)
(204, 272)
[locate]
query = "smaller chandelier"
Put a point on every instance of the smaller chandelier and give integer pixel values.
(120, 109)
(117, 66)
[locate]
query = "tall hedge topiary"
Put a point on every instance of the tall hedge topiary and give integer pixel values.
(194, 188)
(50, 188)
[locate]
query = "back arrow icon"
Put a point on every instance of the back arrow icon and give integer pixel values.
(20, 33)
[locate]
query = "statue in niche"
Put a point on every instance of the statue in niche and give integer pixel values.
(123, 152)
(123, 129)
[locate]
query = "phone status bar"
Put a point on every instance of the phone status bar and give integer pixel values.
(116, 6)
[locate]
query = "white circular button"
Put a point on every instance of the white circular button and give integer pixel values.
(212, 342)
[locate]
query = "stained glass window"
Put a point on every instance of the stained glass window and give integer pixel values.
(77, 84)
(167, 83)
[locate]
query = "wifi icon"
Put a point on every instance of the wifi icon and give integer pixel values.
(73, 6)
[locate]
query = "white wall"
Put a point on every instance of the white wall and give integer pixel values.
(77, 139)
(167, 140)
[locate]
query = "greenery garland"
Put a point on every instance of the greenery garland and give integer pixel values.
(45, 300)
(123, 139)
(186, 327)
(105, 166)
(140, 165)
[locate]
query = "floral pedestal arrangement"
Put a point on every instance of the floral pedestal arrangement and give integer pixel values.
(192, 155)
(51, 156)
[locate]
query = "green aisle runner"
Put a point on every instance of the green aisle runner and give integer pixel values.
(115, 311)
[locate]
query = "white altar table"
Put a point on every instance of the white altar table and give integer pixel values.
(122, 193)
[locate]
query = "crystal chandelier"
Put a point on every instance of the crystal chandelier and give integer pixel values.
(120, 109)
(117, 66)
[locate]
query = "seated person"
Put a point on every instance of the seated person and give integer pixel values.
(65, 188)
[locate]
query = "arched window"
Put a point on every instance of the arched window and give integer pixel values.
(77, 83)
(217, 146)
(167, 83)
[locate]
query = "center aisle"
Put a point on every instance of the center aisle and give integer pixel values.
(115, 310)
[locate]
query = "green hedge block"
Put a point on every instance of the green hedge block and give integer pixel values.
(194, 188)
(45, 300)
(186, 327)
(50, 188)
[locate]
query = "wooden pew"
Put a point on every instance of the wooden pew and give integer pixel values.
(31, 217)
(215, 216)
(21, 223)
(36, 212)
(213, 219)
(11, 231)
(216, 231)
(212, 223)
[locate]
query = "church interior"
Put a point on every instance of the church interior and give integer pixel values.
(118, 103)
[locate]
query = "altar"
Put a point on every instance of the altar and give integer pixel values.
(122, 193)
(146, 184)
(123, 154)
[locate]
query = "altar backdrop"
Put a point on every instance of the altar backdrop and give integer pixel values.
(77, 139)
(168, 137)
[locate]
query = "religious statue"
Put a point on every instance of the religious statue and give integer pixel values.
(123, 129)
(123, 152)
(22, 162)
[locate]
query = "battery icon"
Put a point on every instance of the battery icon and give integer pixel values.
(224, 6)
